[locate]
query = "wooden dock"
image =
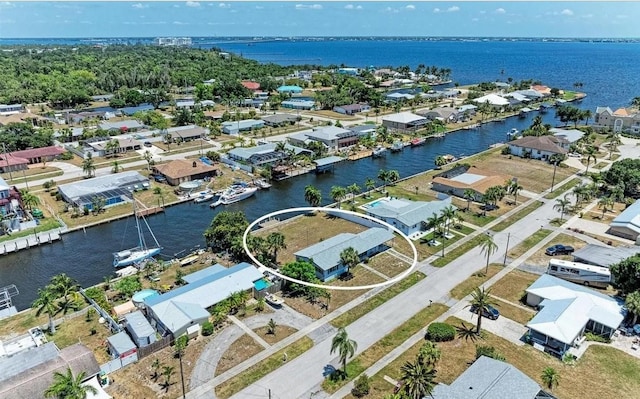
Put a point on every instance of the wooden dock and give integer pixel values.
(29, 242)
(150, 211)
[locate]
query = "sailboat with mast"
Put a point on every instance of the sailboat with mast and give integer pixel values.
(137, 254)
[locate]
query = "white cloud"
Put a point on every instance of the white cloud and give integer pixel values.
(139, 5)
(192, 4)
(349, 7)
(180, 23)
(566, 11)
(500, 11)
(308, 6)
(224, 5)
(358, 7)
(410, 7)
(436, 10)
(453, 9)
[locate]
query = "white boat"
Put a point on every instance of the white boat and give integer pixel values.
(204, 198)
(262, 183)
(379, 151)
(137, 254)
(234, 194)
(274, 300)
(470, 127)
(513, 133)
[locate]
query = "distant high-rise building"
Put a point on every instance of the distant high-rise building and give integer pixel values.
(172, 41)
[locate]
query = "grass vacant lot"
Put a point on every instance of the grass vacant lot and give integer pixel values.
(528, 243)
(262, 368)
(457, 252)
(396, 337)
(514, 313)
(281, 332)
(467, 286)
(542, 259)
(90, 333)
(388, 264)
(367, 306)
(517, 216)
(562, 189)
(239, 351)
(20, 323)
(512, 286)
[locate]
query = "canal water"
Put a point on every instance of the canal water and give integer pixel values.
(87, 255)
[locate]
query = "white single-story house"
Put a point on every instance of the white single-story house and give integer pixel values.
(325, 255)
(11, 109)
(467, 110)
(277, 120)
(538, 147)
(492, 99)
(114, 188)
(264, 154)
(129, 125)
(406, 215)
(98, 146)
(235, 127)
(396, 96)
(306, 105)
(404, 121)
(177, 310)
(444, 114)
(351, 109)
(571, 135)
(488, 378)
(627, 224)
(567, 311)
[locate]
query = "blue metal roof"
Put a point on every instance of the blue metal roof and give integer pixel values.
(200, 274)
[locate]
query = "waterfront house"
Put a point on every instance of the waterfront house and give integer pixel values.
(406, 215)
(404, 121)
(351, 109)
(570, 135)
(333, 137)
(456, 180)
(265, 154)
(492, 99)
(290, 89)
(445, 114)
(129, 125)
(467, 111)
(28, 373)
(177, 310)
(325, 255)
(183, 170)
(538, 147)
(621, 120)
(114, 189)
(235, 127)
(278, 120)
(567, 312)
(627, 224)
(601, 256)
(139, 329)
(531, 94)
(10, 203)
(488, 378)
(299, 104)
(542, 89)
(364, 130)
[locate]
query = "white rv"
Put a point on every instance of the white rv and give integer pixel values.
(580, 273)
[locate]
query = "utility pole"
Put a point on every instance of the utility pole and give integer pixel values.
(553, 179)
(504, 263)
(181, 373)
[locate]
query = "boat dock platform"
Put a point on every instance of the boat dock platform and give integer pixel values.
(150, 211)
(33, 240)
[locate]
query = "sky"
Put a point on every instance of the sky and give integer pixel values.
(575, 19)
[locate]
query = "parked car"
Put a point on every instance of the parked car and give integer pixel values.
(159, 178)
(490, 312)
(147, 144)
(559, 249)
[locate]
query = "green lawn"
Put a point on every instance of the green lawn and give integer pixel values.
(367, 306)
(457, 252)
(517, 216)
(528, 243)
(467, 286)
(558, 191)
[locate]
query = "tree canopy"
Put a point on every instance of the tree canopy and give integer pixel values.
(626, 275)
(303, 271)
(20, 136)
(225, 233)
(624, 173)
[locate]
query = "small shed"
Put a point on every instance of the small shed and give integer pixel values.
(122, 347)
(140, 329)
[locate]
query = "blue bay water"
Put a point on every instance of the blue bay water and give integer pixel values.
(609, 72)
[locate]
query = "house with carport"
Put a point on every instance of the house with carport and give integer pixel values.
(567, 311)
(325, 255)
(538, 147)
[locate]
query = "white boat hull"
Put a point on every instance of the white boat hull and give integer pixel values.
(135, 255)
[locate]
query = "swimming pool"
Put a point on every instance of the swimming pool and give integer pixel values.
(261, 284)
(375, 203)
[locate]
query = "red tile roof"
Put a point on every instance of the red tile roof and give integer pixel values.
(50, 151)
(251, 85)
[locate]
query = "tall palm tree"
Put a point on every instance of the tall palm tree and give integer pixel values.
(513, 188)
(488, 247)
(434, 222)
(383, 176)
(417, 379)
(370, 184)
(63, 286)
(579, 192)
(275, 242)
(116, 167)
(550, 377)
(349, 257)
(606, 204)
(590, 153)
(337, 194)
(429, 354)
(29, 200)
(481, 300)
(561, 205)
(354, 190)
(470, 196)
(632, 302)
(68, 386)
(448, 215)
(46, 303)
(345, 346)
(88, 166)
(313, 196)
(394, 176)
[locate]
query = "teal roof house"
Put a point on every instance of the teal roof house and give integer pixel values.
(406, 215)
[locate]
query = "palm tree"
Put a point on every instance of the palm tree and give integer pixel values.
(349, 257)
(46, 303)
(561, 205)
(167, 372)
(632, 302)
(313, 196)
(155, 366)
(271, 327)
(68, 386)
(29, 200)
(429, 354)
(580, 192)
(111, 147)
(470, 196)
(370, 184)
(88, 167)
(606, 204)
(337, 194)
(481, 300)
(590, 153)
(345, 347)
(394, 176)
(513, 188)
(417, 380)
(354, 190)
(448, 215)
(64, 286)
(116, 167)
(434, 222)
(383, 175)
(550, 377)
(275, 242)
(440, 161)
(488, 247)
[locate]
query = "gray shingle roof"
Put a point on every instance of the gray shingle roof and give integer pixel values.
(489, 379)
(408, 212)
(138, 325)
(326, 254)
(599, 255)
(629, 218)
(121, 342)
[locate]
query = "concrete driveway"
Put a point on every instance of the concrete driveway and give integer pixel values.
(502, 327)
